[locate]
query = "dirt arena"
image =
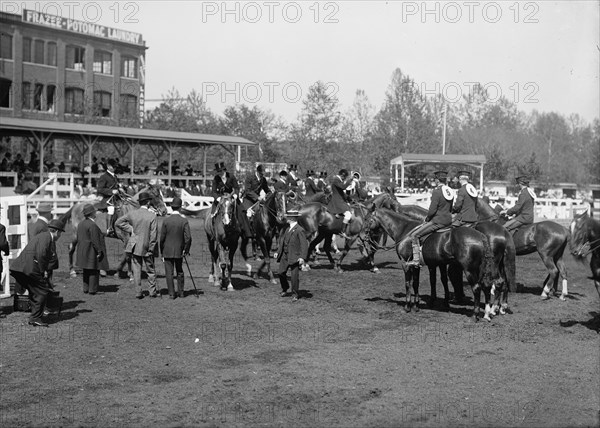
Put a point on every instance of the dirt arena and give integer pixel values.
(346, 355)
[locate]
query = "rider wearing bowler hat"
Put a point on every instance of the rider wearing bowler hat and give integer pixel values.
(523, 209)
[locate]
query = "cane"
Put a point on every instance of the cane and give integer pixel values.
(191, 276)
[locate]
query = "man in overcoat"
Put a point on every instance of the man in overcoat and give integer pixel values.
(91, 249)
(175, 242)
(293, 247)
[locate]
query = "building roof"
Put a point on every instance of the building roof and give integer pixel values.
(67, 130)
(415, 158)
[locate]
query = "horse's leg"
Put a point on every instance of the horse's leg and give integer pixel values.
(562, 269)
(432, 281)
(476, 289)
(72, 247)
(552, 277)
(244, 251)
(267, 252)
(416, 279)
(444, 279)
(312, 245)
(229, 269)
(213, 277)
(262, 245)
(327, 248)
(347, 244)
(408, 284)
(455, 273)
(488, 307)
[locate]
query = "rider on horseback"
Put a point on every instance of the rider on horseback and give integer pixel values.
(465, 205)
(338, 204)
(281, 184)
(292, 178)
(256, 191)
(523, 208)
(110, 190)
(439, 215)
(311, 185)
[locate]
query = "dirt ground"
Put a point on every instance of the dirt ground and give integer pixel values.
(346, 355)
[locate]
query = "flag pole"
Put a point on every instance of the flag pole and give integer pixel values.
(444, 130)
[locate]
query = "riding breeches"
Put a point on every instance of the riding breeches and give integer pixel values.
(459, 223)
(513, 224)
(425, 229)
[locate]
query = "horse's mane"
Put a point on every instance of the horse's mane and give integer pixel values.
(486, 209)
(396, 215)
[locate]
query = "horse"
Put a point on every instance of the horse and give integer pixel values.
(462, 247)
(585, 240)
(548, 238)
(320, 225)
(268, 219)
(75, 215)
(498, 238)
(223, 234)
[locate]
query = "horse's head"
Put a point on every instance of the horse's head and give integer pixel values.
(578, 243)
(226, 209)
(485, 212)
(157, 198)
(278, 206)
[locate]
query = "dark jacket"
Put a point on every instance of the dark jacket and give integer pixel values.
(281, 186)
(523, 208)
(106, 184)
(311, 187)
(4, 248)
(41, 225)
(292, 246)
(219, 187)
(35, 258)
(439, 210)
(338, 203)
(292, 183)
(175, 236)
(252, 187)
(91, 248)
(465, 205)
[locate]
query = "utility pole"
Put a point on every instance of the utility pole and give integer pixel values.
(444, 130)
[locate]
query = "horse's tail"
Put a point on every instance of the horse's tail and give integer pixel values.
(490, 270)
(64, 218)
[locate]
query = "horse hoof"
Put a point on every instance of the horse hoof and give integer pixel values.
(407, 309)
(375, 270)
(274, 281)
(103, 273)
(487, 317)
(223, 288)
(563, 297)
(545, 296)
(417, 309)
(73, 274)
(230, 288)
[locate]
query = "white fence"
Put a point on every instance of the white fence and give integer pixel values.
(13, 215)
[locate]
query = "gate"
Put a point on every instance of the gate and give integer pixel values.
(13, 215)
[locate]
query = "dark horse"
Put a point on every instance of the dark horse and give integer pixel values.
(75, 214)
(498, 238)
(321, 225)
(585, 240)
(462, 247)
(268, 219)
(548, 238)
(223, 233)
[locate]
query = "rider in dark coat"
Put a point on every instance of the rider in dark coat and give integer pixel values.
(311, 185)
(226, 183)
(292, 178)
(523, 209)
(281, 184)
(256, 189)
(438, 216)
(339, 200)
(465, 205)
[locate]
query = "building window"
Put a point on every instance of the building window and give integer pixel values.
(50, 94)
(38, 51)
(37, 96)
(129, 106)
(102, 62)
(129, 67)
(76, 57)
(102, 104)
(6, 46)
(26, 95)
(51, 54)
(26, 50)
(5, 95)
(74, 100)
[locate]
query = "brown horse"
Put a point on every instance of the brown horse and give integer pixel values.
(223, 234)
(268, 220)
(548, 238)
(321, 225)
(75, 215)
(585, 240)
(464, 247)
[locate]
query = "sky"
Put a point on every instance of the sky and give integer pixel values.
(541, 55)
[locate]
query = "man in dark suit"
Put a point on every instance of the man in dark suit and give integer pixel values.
(465, 205)
(110, 189)
(438, 216)
(91, 249)
(4, 248)
(311, 185)
(175, 242)
(256, 190)
(30, 270)
(523, 209)
(293, 247)
(41, 224)
(223, 183)
(338, 204)
(141, 225)
(292, 178)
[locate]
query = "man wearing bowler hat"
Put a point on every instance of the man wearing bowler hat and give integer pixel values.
(293, 247)
(465, 205)
(523, 209)
(175, 242)
(438, 216)
(30, 270)
(141, 224)
(41, 224)
(91, 249)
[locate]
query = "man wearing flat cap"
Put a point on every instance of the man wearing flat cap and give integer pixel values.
(523, 209)
(91, 249)
(30, 270)
(438, 216)
(465, 206)
(141, 225)
(175, 242)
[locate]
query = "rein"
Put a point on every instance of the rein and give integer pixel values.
(589, 247)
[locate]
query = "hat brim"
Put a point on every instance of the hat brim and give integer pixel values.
(55, 227)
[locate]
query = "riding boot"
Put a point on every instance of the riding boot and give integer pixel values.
(416, 260)
(344, 229)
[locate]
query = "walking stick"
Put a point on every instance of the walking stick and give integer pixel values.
(191, 276)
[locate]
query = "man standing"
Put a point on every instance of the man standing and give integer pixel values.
(175, 243)
(293, 247)
(91, 250)
(465, 205)
(523, 209)
(41, 224)
(30, 269)
(141, 224)
(338, 204)
(438, 216)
